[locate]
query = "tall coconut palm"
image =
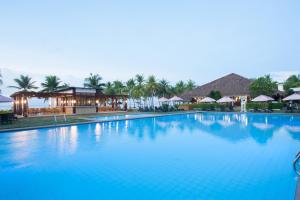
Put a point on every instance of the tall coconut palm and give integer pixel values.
(109, 89)
(24, 83)
(140, 79)
(94, 81)
(130, 84)
(190, 85)
(139, 90)
(138, 93)
(152, 88)
(179, 87)
(118, 87)
(163, 88)
(51, 84)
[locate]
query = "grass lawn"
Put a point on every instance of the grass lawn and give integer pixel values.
(31, 122)
(41, 121)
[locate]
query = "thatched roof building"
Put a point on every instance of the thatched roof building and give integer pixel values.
(229, 85)
(71, 100)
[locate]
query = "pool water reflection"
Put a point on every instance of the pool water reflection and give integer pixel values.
(188, 156)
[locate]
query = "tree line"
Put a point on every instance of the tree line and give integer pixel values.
(138, 88)
(266, 86)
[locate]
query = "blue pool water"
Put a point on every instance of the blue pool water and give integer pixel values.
(190, 156)
(118, 117)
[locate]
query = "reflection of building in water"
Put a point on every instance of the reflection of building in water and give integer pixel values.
(21, 144)
(73, 138)
(263, 126)
(126, 125)
(98, 132)
(117, 126)
(65, 138)
(205, 120)
(295, 129)
(226, 121)
(243, 119)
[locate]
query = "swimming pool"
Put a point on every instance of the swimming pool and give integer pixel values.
(119, 117)
(188, 156)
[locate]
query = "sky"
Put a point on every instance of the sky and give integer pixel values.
(176, 40)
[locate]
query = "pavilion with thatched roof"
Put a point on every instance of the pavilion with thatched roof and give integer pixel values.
(232, 85)
(71, 100)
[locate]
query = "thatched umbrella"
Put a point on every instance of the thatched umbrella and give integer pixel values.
(207, 100)
(262, 98)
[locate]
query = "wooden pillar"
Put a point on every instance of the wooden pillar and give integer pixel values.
(112, 103)
(125, 103)
(25, 106)
(15, 106)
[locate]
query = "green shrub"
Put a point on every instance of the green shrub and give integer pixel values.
(208, 106)
(5, 111)
(256, 106)
(276, 106)
(165, 107)
(264, 105)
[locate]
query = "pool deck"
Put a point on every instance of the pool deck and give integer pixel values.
(90, 120)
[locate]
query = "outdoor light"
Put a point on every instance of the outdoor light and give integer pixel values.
(97, 101)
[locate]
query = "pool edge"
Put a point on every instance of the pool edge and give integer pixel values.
(92, 122)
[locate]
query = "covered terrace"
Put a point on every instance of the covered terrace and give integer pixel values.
(72, 100)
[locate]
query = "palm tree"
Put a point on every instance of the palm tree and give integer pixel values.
(179, 87)
(190, 85)
(109, 89)
(118, 87)
(152, 88)
(137, 93)
(139, 89)
(130, 84)
(24, 83)
(164, 88)
(51, 84)
(94, 81)
(140, 79)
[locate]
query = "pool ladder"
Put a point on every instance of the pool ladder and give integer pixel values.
(297, 158)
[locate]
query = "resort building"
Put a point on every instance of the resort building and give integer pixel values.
(232, 85)
(71, 100)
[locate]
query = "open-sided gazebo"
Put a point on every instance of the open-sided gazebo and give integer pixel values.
(71, 100)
